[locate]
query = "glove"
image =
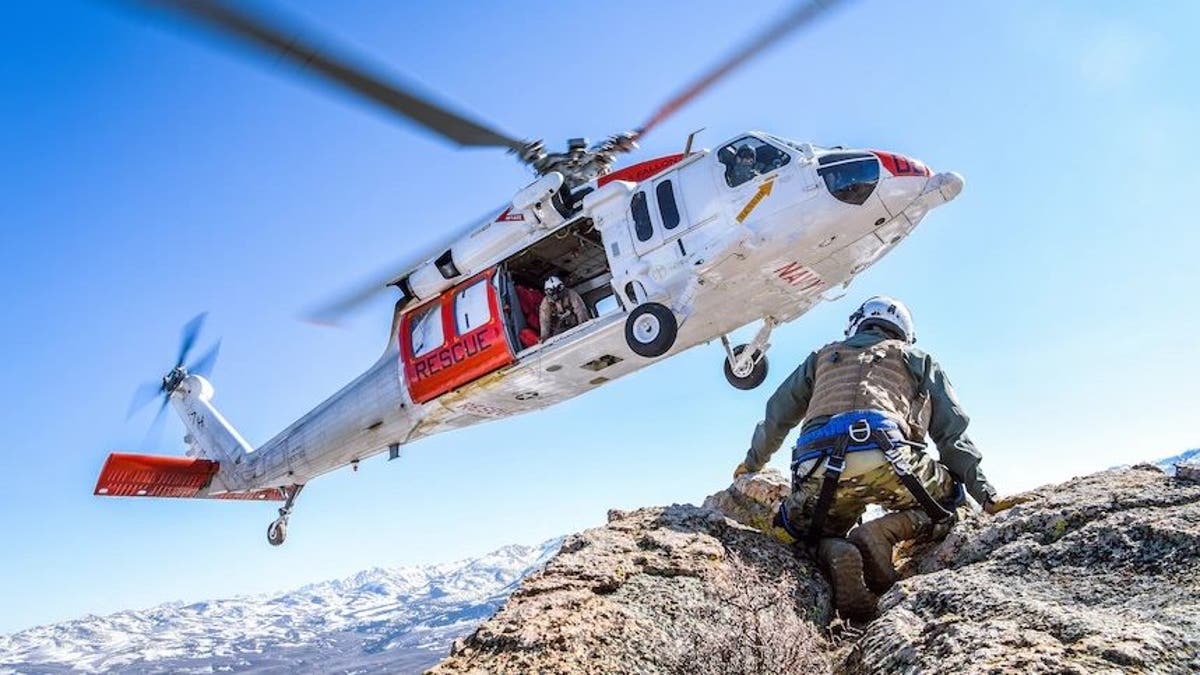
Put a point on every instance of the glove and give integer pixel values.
(992, 507)
(741, 470)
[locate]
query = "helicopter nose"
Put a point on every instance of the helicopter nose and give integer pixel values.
(903, 180)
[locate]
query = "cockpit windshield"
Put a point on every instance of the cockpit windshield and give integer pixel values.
(851, 177)
(748, 157)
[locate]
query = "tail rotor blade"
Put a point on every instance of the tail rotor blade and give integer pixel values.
(204, 364)
(143, 396)
(154, 433)
(191, 331)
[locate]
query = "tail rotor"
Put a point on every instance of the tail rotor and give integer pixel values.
(162, 390)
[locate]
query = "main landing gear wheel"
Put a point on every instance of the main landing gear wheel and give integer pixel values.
(277, 530)
(749, 374)
(651, 329)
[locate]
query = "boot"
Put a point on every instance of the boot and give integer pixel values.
(876, 539)
(844, 564)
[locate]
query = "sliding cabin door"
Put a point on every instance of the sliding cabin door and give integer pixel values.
(455, 339)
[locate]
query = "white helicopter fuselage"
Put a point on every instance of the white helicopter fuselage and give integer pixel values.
(719, 256)
(768, 249)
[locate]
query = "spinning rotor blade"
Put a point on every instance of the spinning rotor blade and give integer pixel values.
(203, 366)
(143, 396)
(803, 14)
(268, 36)
(191, 331)
(154, 433)
(334, 312)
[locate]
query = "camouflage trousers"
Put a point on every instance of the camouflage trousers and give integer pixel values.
(867, 479)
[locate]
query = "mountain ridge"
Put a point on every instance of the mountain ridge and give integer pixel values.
(376, 620)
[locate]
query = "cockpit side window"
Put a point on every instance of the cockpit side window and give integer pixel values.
(850, 177)
(748, 157)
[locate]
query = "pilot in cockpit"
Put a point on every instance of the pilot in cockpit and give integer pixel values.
(743, 167)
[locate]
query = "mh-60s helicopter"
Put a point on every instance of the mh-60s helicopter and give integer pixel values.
(666, 254)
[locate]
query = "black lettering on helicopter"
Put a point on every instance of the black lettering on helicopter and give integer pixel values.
(462, 349)
(196, 418)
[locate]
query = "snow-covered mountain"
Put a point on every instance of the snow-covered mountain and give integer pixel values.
(1168, 463)
(380, 620)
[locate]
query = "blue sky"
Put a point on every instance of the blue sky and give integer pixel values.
(150, 176)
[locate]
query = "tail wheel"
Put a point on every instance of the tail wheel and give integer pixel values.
(651, 329)
(277, 532)
(748, 378)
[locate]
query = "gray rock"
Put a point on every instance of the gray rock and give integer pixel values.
(1096, 575)
(675, 589)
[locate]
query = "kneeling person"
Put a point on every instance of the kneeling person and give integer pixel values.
(866, 404)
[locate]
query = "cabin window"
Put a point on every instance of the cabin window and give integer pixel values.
(427, 333)
(749, 157)
(641, 217)
(471, 307)
(607, 304)
(666, 205)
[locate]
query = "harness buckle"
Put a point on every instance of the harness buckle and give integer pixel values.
(860, 431)
(835, 464)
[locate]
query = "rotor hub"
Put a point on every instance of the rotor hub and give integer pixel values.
(173, 379)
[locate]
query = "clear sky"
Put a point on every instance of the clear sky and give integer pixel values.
(149, 176)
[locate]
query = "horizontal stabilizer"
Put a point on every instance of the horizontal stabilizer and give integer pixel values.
(128, 475)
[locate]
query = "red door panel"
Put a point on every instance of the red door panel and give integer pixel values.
(469, 346)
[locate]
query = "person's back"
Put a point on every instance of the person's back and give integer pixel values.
(866, 404)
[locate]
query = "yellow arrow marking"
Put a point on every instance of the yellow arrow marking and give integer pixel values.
(763, 191)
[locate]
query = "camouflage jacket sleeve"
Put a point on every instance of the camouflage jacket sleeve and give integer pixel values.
(948, 429)
(785, 410)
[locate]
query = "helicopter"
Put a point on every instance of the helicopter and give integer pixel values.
(664, 254)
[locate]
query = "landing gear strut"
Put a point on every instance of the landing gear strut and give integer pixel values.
(277, 530)
(746, 365)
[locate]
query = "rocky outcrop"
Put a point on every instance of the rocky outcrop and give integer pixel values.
(674, 589)
(1099, 574)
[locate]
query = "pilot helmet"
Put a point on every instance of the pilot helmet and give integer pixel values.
(886, 310)
(553, 285)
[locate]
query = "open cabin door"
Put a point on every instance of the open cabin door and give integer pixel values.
(455, 339)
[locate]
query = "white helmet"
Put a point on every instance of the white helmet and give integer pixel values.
(553, 284)
(887, 310)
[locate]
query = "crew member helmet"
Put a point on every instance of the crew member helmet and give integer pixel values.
(881, 309)
(553, 285)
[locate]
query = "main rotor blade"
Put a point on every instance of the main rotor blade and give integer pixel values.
(268, 35)
(204, 365)
(191, 330)
(803, 14)
(333, 312)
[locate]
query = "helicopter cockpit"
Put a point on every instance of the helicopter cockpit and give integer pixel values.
(850, 177)
(748, 157)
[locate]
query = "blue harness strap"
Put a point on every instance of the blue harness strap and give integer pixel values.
(858, 431)
(856, 425)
